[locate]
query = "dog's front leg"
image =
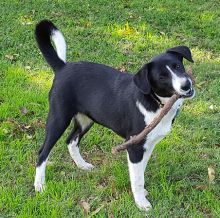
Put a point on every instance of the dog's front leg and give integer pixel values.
(137, 164)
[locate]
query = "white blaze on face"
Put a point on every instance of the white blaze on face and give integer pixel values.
(177, 81)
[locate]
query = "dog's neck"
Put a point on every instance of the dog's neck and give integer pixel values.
(163, 100)
(157, 99)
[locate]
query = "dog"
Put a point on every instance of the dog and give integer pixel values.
(85, 92)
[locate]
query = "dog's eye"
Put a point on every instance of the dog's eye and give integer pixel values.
(176, 66)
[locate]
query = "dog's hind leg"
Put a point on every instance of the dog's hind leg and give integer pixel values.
(57, 122)
(81, 125)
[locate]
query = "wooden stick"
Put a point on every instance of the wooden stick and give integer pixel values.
(134, 140)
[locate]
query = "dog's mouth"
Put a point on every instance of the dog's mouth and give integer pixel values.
(189, 94)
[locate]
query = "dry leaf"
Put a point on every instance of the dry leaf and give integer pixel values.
(27, 127)
(97, 210)
(206, 212)
(211, 174)
(180, 37)
(204, 156)
(10, 57)
(86, 207)
(23, 110)
(122, 69)
(56, 14)
(217, 145)
(127, 52)
(110, 215)
(201, 187)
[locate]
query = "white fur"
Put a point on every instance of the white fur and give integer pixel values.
(136, 170)
(148, 116)
(177, 82)
(164, 127)
(60, 44)
(76, 156)
(163, 100)
(40, 177)
(83, 120)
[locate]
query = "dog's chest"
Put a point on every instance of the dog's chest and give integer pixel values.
(165, 125)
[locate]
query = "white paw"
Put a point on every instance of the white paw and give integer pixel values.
(145, 192)
(86, 166)
(40, 178)
(143, 203)
(39, 187)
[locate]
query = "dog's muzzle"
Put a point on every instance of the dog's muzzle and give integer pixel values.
(190, 93)
(187, 90)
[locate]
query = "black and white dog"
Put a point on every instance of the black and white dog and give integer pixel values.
(85, 92)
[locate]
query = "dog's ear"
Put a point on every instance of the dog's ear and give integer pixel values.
(141, 79)
(181, 52)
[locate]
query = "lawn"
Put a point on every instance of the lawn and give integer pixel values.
(125, 35)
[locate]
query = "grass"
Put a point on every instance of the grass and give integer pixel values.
(125, 35)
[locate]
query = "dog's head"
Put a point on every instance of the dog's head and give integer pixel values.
(166, 75)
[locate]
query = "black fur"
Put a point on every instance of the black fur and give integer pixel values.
(181, 52)
(141, 79)
(102, 93)
(43, 33)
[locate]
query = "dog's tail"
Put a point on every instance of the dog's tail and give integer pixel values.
(45, 32)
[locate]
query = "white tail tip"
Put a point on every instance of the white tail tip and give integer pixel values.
(60, 44)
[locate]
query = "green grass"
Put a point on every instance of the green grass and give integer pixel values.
(122, 34)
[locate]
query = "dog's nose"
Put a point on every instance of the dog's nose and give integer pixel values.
(186, 86)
